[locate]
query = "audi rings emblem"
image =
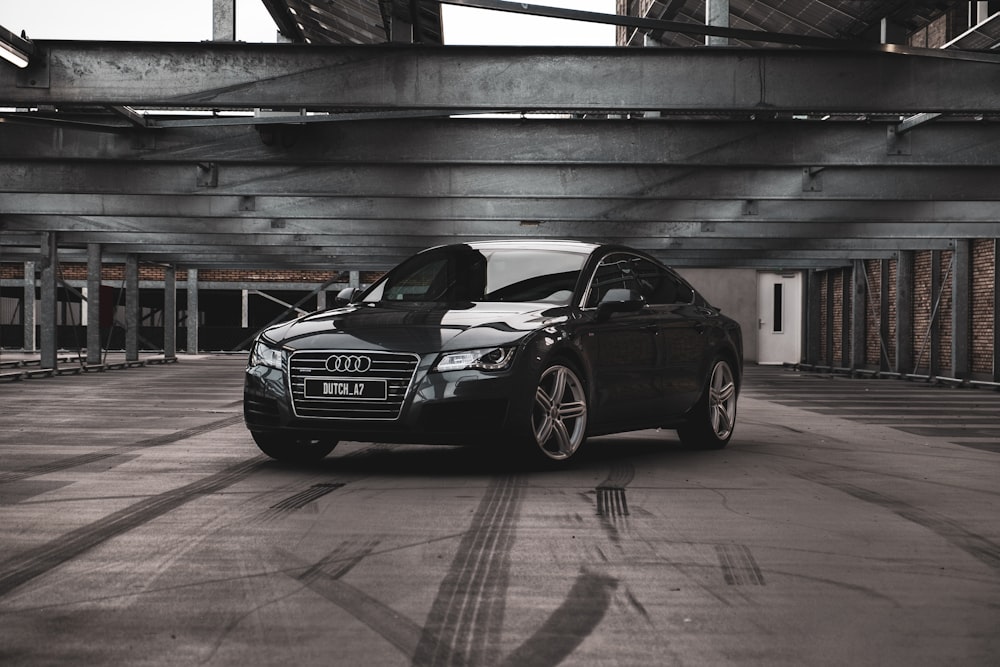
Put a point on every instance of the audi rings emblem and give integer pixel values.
(348, 363)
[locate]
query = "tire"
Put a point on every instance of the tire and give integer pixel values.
(713, 419)
(558, 419)
(293, 450)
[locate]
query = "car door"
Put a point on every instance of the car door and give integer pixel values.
(622, 348)
(681, 338)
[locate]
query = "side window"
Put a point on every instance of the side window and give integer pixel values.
(660, 286)
(614, 272)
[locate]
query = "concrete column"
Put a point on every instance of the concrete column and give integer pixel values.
(858, 315)
(131, 308)
(321, 300)
(961, 328)
(224, 20)
(94, 303)
(905, 275)
(192, 311)
(717, 15)
(47, 314)
(355, 279)
(28, 308)
(245, 317)
(846, 317)
(170, 312)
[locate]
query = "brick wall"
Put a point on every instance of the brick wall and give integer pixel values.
(922, 306)
(78, 271)
(873, 307)
(943, 321)
(983, 300)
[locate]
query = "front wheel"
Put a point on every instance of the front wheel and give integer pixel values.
(713, 419)
(558, 413)
(291, 449)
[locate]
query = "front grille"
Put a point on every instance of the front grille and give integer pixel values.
(394, 368)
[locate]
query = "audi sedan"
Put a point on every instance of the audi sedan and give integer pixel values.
(527, 345)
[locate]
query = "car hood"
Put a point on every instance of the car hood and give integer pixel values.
(417, 328)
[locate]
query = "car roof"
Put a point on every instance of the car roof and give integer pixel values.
(537, 244)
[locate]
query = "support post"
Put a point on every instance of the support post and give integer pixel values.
(961, 330)
(905, 275)
(50, 270)
(93, 304)
(224, 20)
(717, 15)
(170, 312)
(131, 308)
(28, 308)
(858, 319)
(192, 311)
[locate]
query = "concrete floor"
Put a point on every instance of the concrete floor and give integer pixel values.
(849, 522)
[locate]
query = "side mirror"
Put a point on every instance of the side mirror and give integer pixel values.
(619, 301)
(346, 296)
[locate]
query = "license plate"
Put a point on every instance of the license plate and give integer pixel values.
(346, 389)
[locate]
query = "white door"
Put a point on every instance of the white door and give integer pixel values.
(779, 317)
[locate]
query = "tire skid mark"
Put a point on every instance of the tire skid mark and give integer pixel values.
(93, 457)
(464, 624)
(21, 569)
(977, 546)
(738, 565)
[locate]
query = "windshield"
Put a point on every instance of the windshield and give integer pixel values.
(462, 274)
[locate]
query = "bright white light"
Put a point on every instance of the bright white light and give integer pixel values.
(12, 55)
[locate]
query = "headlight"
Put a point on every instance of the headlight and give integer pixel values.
(263, 355)
(485, 359)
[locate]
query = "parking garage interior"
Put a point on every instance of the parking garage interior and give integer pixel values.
(825, 172)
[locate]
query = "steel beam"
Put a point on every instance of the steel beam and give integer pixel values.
(373, 230)
(641, 182)
(657, 142)
(433, 211)
(247, 76)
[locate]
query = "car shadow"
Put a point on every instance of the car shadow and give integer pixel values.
(637, 449)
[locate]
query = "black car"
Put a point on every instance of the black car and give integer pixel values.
(532, 345)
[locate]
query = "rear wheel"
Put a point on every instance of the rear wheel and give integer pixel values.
(558, 413)
(291, 449)
(714, 417)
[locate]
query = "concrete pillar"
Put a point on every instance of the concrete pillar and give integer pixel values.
(355, 279)
(131, 308)
(858, 316)
(245, 317)
(47, 314)
(717, 15)
(94, 303)
(224, 20)
(28, 308)
(170, 312)
(961, 328)
(192, 311)
(905, 275)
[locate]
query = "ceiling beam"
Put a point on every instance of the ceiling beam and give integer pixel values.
(567, 209)
(376, 230)
(287, 76)
(474, 180)
(507, 142)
